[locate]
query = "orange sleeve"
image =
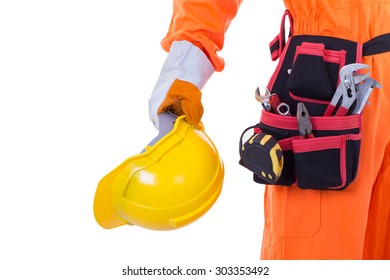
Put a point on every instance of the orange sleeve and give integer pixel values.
(203, 23)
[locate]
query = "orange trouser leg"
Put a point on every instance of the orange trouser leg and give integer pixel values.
(315, 224)
(377, 242)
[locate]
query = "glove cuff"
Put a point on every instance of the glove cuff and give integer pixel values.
(188, 63)
(185, 62)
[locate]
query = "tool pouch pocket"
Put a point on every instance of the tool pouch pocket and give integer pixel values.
(326, 162)
(329, 161)
(308, 70)
(314, 74)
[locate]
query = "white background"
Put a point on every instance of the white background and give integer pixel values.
(75, 78)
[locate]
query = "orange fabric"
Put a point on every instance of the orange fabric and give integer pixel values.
(183, 98)
(350, 224)
(377, 243)
(203, 23)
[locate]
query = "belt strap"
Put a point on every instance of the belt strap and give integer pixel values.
(277, 45)
(377, 45)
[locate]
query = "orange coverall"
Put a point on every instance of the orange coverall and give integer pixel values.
(312, 224)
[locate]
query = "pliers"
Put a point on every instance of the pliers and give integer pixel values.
(345, 94)
(304, 125)
(363, 94)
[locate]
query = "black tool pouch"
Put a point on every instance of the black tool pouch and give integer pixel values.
(308, 72)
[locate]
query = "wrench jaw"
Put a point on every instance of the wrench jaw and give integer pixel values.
(349, 69)
(358, 78)
(363, 93)
(263, 99)
(346, 92)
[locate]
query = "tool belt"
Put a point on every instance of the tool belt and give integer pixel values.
(308, 73)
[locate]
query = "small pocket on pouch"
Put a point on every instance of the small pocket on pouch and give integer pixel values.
(326, 163)
(314, 75)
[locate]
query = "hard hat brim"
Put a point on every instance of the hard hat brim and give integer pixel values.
(104, 210)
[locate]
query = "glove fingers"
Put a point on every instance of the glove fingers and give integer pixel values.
(193, 112)
(171, 104)
(183, 98)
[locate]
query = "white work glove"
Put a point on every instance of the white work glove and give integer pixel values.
(183, 75)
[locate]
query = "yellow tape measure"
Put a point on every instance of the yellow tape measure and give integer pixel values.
(262, 155)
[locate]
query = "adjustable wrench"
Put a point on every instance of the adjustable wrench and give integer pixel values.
(271, 102)
(264, 99)
(346, 90)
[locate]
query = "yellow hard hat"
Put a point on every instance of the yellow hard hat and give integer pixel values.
(171, 184)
